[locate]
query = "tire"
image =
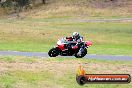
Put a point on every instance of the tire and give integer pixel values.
(82, 55)
(81, 80)
(53, 52)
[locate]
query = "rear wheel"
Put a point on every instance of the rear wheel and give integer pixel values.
(53, 52)
(82, 55)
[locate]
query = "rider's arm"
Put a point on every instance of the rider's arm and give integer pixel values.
(80, 40)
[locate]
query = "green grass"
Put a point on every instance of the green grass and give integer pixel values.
(26, 47)
(58, 72)
(7, 81)
(32, 77)
(39, 35)
(111, 49)
(9, 59)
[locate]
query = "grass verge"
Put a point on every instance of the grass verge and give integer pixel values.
(39, 35)
(57, 72)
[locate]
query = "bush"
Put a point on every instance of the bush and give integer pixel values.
(7, 3)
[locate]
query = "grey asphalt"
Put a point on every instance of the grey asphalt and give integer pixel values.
(107, 20)
(44, 54)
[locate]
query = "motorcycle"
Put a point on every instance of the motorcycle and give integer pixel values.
(64, 45)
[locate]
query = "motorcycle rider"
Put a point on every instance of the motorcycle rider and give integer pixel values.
(76, 39)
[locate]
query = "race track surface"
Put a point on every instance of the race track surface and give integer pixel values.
(108, 20)
(44, 54)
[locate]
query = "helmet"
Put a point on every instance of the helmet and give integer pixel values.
(75, 35)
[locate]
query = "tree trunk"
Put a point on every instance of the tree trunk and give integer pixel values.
(44, 2)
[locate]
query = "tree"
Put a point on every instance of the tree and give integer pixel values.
(44, 1)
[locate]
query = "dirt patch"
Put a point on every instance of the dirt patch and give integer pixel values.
(62, 67)
(52, 66)
(49, 73)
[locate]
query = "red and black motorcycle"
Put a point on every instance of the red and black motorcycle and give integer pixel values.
(66, 47)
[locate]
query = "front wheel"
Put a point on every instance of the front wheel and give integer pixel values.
(53, 52)
(82, 55)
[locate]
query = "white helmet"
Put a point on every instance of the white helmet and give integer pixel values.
(75, 35)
